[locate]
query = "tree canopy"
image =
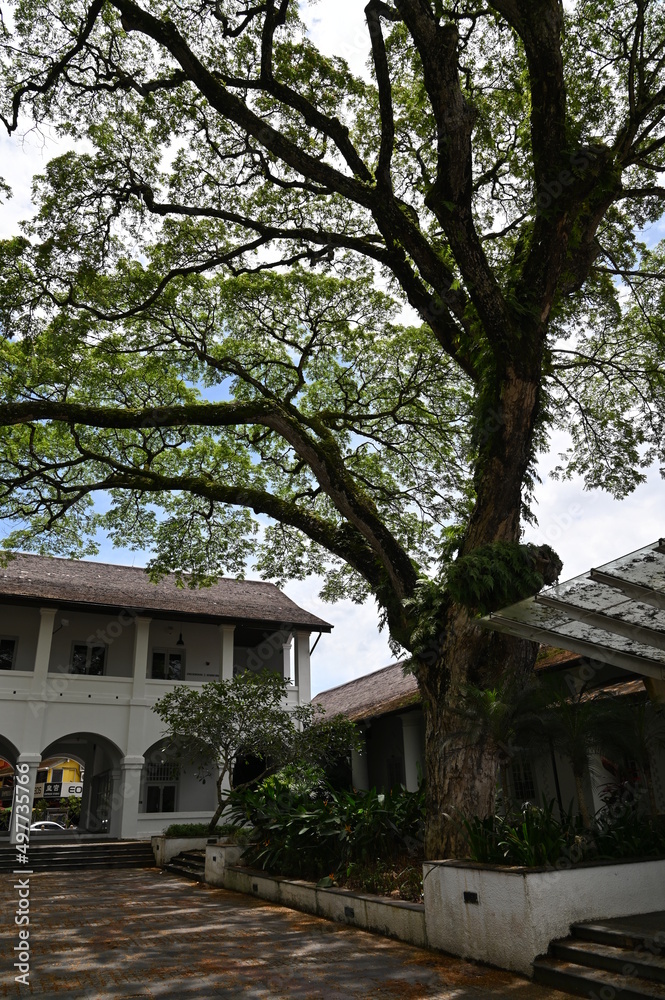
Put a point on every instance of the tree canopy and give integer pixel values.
(194, 327)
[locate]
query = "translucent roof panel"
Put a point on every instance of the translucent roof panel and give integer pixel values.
(615, 613)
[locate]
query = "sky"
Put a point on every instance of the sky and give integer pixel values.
(586, 528)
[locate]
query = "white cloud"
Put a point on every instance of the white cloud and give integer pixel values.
(588, 527)
(339, 28)
(355, 646)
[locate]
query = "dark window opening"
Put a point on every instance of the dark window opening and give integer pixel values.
(160, 798)
(168, 664)
(7, 654)
(88, 658)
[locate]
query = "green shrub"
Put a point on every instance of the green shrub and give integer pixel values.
(320, 832)
(535, 838)
(620, 833)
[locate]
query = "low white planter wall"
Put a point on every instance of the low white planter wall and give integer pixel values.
(393, 918)
(154, 824)
(218, 858)
(166, 848)
(509, 916)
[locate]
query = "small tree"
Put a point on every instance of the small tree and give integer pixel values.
(224, 722)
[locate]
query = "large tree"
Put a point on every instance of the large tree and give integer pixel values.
(192, 326)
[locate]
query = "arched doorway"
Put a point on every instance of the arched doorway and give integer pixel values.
(170, 788)
(100, 760)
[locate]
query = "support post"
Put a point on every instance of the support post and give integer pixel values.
(287, 671)
(43, 653)
(412, 750)
(141, 650)
(303, 679)
(131, 768)
(360, 767)
(226, 672)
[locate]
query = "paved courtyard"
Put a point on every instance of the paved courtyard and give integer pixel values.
(140, 933)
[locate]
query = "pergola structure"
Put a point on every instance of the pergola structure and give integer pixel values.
(614, 614)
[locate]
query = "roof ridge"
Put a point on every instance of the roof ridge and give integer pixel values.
(88, 582)
(125, 566)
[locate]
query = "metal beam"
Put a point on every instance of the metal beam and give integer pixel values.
(600, 619)
(594, 651)
(637, 590)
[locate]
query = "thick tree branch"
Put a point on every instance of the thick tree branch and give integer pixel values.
(234, 109)
(382, 72)
(323, 457)
(450, 197)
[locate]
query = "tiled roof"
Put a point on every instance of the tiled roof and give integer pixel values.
(384, 691)
(621, 689)
(390, 689)
(614, 613)
(80, 582)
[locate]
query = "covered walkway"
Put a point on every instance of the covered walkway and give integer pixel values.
(122, 934)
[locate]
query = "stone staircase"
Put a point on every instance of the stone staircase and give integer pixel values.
(89, 855)
(189, 864)
(622, 958)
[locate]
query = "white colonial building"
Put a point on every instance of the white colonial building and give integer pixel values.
(86, 649)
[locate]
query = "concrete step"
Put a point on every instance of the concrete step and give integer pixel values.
(189, 864)
(570, 977)
(622, 960)
(193, 874)
(60, 857)
(626, 933)
(196, 857)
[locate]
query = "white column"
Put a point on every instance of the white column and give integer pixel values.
(43, 653)
(114, 819)
(86, 798)
(226, 672)
(141, 650)
(131, 768)
(412, 749)
(303, 679)
(286, 661)
(359, 767)
(138, 706)
(32, 762)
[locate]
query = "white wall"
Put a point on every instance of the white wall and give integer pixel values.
(519, 912)
(116, 632)
(193, 795)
